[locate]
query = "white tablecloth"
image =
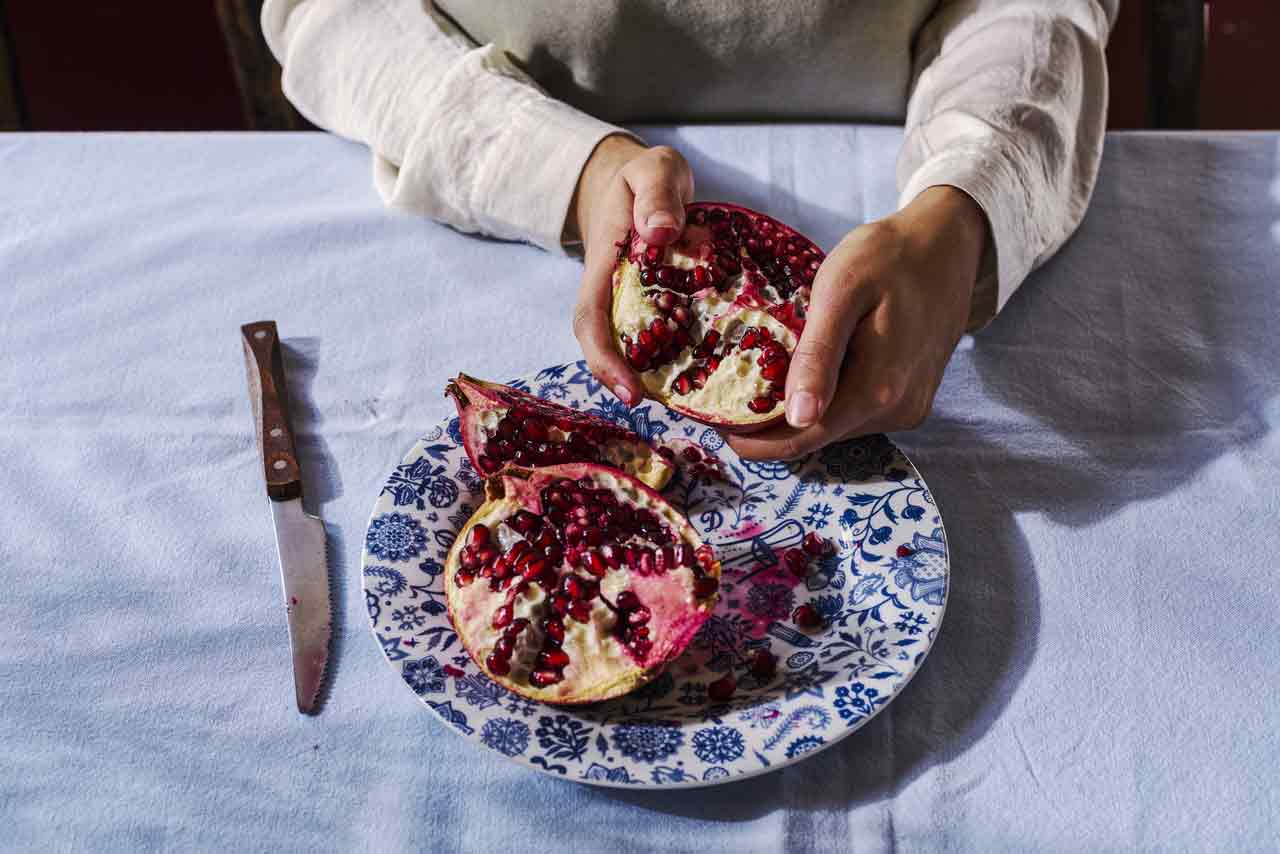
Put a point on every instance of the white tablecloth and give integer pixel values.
(1105, 456)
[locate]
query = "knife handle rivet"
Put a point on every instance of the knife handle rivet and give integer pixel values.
(260, 334)
(279, 464)
(276, 432)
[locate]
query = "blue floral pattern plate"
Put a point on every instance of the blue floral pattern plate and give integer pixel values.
(882, 596)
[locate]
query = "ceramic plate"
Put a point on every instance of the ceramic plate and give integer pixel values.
(882, 596)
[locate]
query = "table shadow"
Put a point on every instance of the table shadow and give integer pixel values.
(322, 483)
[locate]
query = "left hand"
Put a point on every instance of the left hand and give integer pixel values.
(888, 307)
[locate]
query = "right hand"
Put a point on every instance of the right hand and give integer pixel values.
(624, 185)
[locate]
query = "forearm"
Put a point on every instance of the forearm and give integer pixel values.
(1009, 106)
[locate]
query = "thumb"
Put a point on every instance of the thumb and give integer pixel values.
(835, 308)
(662, 183)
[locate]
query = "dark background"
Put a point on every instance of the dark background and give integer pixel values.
(166, 65)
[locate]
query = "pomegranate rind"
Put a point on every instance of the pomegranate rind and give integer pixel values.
(746, 302)
(472, 397)
(608, 669)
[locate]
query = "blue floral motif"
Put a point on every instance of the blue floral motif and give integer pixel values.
(867, 586)
(803, 745)
(718, 744)
(856, 701)
(391, 582)
(773, 601)
(858, 459)
(800, 659)
(911, 622)
(562, 737)
(479, 691)
(407, 618)
(807, 680)
(431, 567)
(715, 772)
(508, 736)
(710, 440)
(722, 634)
(828, 606)
(664, 774)
(395, 537)
(612, 775)
(772, 469)
(924, 571)
(554, 391)
(455, 430)
(648, 741)
(520, 705)
(452, 716)
(425, 676)
(442, 492)
(818, 515)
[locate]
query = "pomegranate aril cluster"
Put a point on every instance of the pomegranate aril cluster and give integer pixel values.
(524, 437)
(582, 534)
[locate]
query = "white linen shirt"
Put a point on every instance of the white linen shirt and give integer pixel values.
(1004, 99)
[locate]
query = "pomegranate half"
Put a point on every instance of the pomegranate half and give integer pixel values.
(710, 321)
(576, 583)
(501, 425)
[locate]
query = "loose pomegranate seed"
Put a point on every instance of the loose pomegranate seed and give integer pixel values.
(814, 544)
(705, 586)
(796, 562)
(553, 659)
(806, 616)
(722, 689)
(905, 551)
(761, 404)
(545, 678)
(497, 665)
(502, 616)
(763, 664)
(580, 610)
(627, 601)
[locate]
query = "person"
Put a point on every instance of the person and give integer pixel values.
(504, 119)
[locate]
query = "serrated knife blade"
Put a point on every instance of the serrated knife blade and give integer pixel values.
(300, 537)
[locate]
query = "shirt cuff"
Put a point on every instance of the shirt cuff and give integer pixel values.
(494, 154)
(982, 173)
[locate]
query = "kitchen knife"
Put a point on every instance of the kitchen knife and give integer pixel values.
(300, 537)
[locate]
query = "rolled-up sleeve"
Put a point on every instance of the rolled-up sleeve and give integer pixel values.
(458, 132)
(1009, 105)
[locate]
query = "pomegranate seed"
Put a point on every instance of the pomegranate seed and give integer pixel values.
(593, 536)
(545, 678)
(497, 665)
(682, 315)
(560, 603)
(905, 551)
(698, 217)
(806, 616)
(684, 555)
(683, 384)
(705, 586)
(691, 454)
(652, 254)
(641, 647)
(665, 301)
(611, 556)
(778, 392)
(796, 562)
(666, 275)
(646, 342)
(627, 601)
(554, 630)
(722, 689)
(761, 404)
(595, 564)
(502, 616)
(462, 579)
(524, 522)
(648, 566)
(763, 664)
(553, 659)
(534, 430)
(706, 556)
(580, 611)
(701, 278)
(504, 647)
(639, 616)
(775, 371)
(660, 331)
(572, 586)
(573, 533)
(765, 334)
(516, 627)
(750, 338)
(666, 559)
(814, 544)
(468, 558)
(506, 428)
(479, 535)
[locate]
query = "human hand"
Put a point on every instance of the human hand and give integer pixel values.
(889, 305)
(624, 185)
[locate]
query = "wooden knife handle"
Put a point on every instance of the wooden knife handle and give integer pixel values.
(270, 398)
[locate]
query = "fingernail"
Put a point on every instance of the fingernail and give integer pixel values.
(623, 393)
(802, 409)
(660, 219)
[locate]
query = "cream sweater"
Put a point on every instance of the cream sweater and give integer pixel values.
(483, 114)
